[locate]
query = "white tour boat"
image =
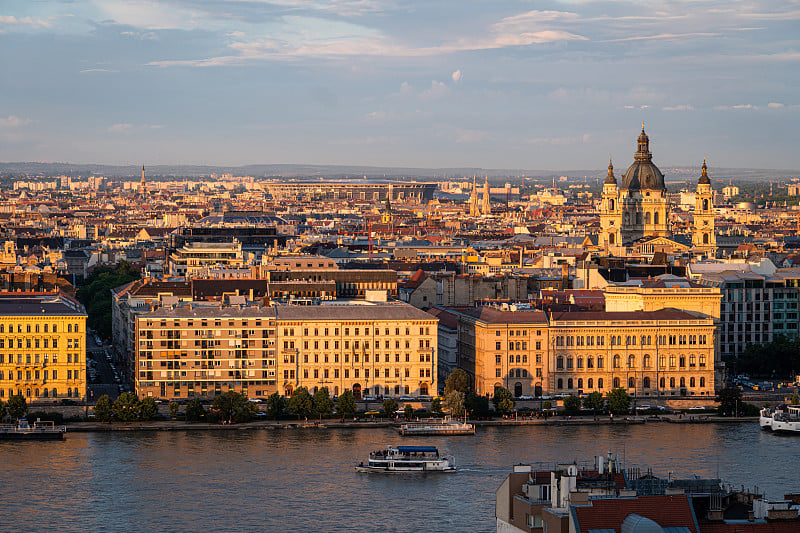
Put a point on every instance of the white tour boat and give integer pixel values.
(437, 427)
(782, 419)
(408, 459)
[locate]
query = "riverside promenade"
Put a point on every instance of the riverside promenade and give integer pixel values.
(332, 424)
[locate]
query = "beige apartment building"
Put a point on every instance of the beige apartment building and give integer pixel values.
(200, 350)
(378, 349)
(42, 347)
(658, 353)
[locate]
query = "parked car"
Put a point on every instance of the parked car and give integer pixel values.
(526, 397)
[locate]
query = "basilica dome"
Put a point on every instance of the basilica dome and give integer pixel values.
(643, 173)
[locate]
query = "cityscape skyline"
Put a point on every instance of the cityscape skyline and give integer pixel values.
(398, 85)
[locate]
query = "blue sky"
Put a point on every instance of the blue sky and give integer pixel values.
(494, 83)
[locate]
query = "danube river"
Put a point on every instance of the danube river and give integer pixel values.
(303, 479)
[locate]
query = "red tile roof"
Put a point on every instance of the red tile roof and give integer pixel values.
(667, 511)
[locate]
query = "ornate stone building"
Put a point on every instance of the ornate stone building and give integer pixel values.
(638, 207)
(703, 237)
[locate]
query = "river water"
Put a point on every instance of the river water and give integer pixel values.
(303, 479)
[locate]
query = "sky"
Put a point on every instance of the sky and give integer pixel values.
(523, 84)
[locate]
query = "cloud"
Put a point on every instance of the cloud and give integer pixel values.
(679, 107)
(126, 127)
(13, 122)
(10, 20)
(745, 106)
(662, 37)
(86, 70)
(456, 76)
(560, 141)
(437, 90)
(470, 136)
(774, 105)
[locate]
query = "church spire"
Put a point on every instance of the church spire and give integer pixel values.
(704, 173)
(487, 208)
(643, 147)
(610, 179)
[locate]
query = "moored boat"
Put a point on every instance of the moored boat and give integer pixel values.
(782, 419)
(437, 427)
(408, 459)
(40, 430)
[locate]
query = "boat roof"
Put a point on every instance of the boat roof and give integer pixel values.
(404, 449)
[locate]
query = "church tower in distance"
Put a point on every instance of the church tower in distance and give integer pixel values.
(703, 236)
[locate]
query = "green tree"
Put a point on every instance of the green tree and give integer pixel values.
(436, 407)
(103, 409)
(729, 398)
(17, 406)
(232, 407)
(454, 403)
(503, 400)
(458, 380)
(301, 403)
(572, 404)
(149, 409)
(476, 406)
(547, 404)
(174, 408)
(322, 403)
(408, 411)
(95, 294)
(127, 407)
(276, 406)
(3, 410)
(618, 401)
(389, 407)
(795, 398)
(780, 358)
(346, 405)
(195, 411)
(595, 402)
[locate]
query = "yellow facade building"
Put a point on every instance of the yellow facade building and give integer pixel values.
(664, 292)
(200, 350)
(658, 353)
(42, 347)
(387, 349)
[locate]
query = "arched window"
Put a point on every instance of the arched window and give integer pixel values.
(672, 383)
(44, 392)
(646, 383)
(560, 384)
(705, 238)
(36, 393)
(600, 361)
(616, 361)
(646, 361)
(647, 218)
(600, 383)
(69, 328)
(611, 204)
(661, 383)
(702, 382)
(691, 382)
(590, 383)
(631, 361)
(705, 205)
(616, 383)
(631, 383)
(683, 382)
(569, 383)
(655, 217)
(580, 383)
(27, 393)
(611, 238)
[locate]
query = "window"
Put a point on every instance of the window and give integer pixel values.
(616, 361)
(560, 363)
(616, 383)
(590, 382)
(599, 383)
(497, 346)
(646, 382)
(631, 383)
(560, 384)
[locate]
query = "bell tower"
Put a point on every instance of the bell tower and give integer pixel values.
(610, 211)
(703, 237)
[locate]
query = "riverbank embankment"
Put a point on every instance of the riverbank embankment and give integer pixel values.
(173, 425)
